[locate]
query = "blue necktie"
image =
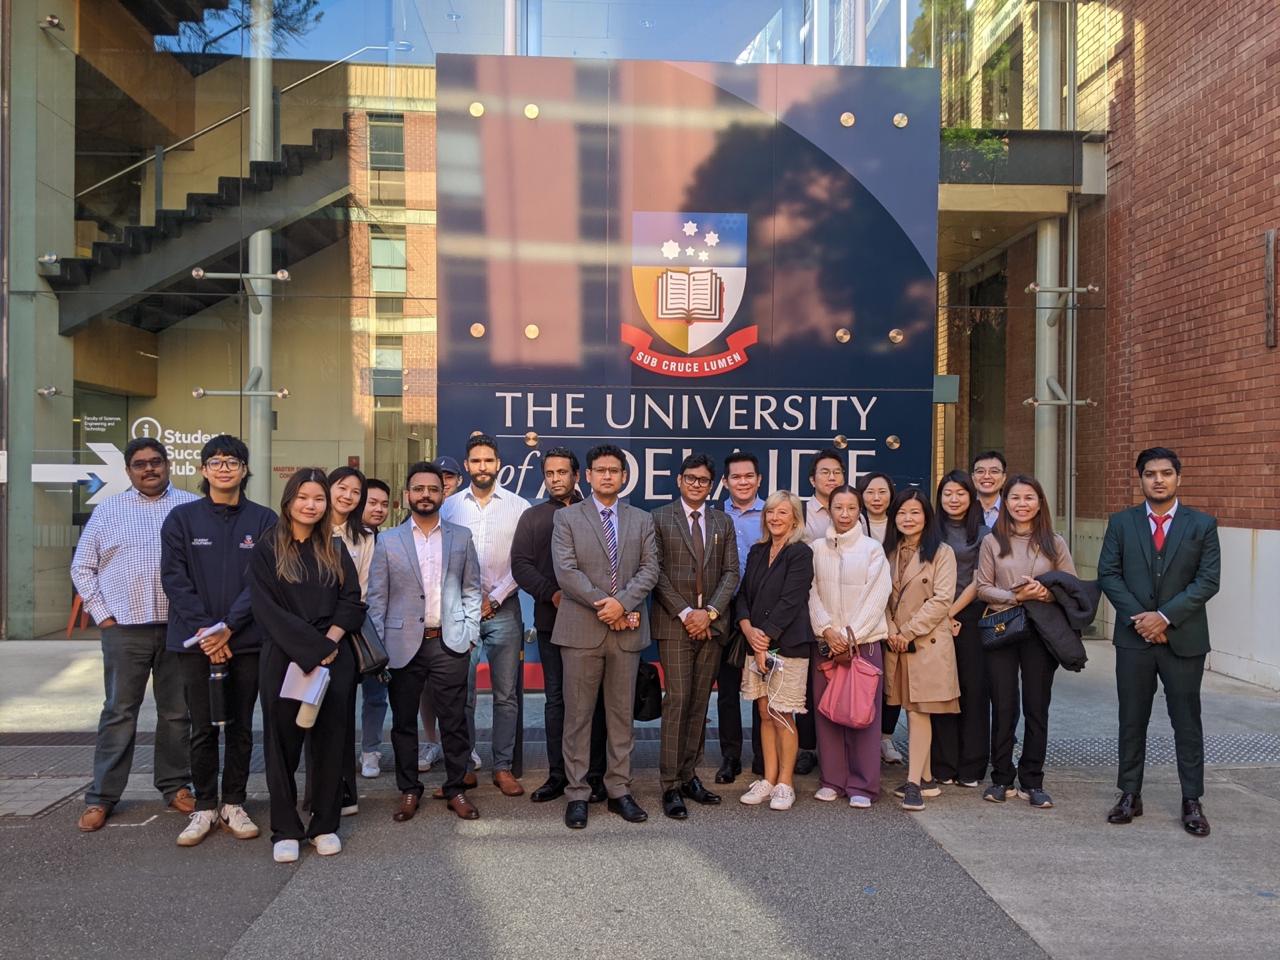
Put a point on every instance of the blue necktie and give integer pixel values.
(611, 544)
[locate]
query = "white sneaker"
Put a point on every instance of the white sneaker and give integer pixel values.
(758, 792)
(327, 844)
(888, 752)
(859, 802)
(198, 827)
(782, 798)
(370, 764)
(826, 794)
(350, 810)
(475, 760)
(429, 754)
(236, 822)
(285, 851)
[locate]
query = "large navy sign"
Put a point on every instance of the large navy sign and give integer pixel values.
(680, 257)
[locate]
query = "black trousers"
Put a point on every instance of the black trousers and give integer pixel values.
(1031, 661)
(729, 710)
(241, 695)
(1136, 674)
(961, 740)
(350, 796)
(443, 672)
(282, 740)
(553, 714)
(889, 714)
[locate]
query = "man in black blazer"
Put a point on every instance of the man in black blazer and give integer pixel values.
(696, 583)
(1159, 566)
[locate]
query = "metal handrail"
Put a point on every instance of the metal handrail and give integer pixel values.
(401, 45)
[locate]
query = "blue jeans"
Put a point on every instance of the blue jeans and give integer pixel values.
(373, 713)
(131, 655)
(500, 638)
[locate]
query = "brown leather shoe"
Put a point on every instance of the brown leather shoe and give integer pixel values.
(505, 781)
(93, 818)
(408, 807)
(184, 801)
(468, 782)
(463, 807)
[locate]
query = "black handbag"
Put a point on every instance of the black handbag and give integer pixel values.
(1003, 629)
(370, 651)
(736, 653)
(648, 704)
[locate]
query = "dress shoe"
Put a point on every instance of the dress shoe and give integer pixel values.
(93, 818)
(184, 801)
(729, 770)
(553, 788)
(468, 783)
(505, 781)
(1193, 819)
(408, 807)
(672, 805)
(696, 792)
(575, 815)
(598, 793)
(463, 807)
(1127, 807)
(626, 807)
(806, 762)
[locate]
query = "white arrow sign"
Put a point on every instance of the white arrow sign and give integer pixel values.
(111, 472)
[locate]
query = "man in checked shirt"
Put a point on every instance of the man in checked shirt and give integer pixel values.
(116, 571)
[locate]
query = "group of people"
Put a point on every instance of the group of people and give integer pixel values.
(220, 601)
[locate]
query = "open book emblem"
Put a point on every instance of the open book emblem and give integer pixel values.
(689, 272)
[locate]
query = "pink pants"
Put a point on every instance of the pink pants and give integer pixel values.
(849, 759)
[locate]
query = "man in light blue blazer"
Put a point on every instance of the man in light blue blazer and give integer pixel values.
(424, 601)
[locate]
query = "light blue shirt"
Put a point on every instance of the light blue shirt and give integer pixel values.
(989, 516)
(746, 528)
(613, 518)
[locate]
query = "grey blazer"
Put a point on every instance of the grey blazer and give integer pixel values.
(582, 570)
(397, 600)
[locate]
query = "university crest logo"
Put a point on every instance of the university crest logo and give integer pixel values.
(689, 271)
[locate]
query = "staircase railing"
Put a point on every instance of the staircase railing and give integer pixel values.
(160, 153)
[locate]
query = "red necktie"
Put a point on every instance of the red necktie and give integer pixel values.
(1158, 534)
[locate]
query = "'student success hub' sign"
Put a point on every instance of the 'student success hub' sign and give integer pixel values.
(687, 257)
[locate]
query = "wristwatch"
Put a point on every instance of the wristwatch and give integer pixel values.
(712, 614)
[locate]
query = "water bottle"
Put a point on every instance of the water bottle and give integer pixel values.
(218, 681)
(307, 714)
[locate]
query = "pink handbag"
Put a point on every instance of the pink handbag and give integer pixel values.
(852, 690)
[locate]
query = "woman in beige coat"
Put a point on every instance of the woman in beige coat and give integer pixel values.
(920, 663)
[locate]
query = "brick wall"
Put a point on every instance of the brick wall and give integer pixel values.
(1194, 115)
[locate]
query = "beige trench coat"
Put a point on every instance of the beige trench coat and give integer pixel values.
(918, 609)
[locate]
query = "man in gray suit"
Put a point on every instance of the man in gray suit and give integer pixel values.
(606, 562)
(699, 555)
(424, 601)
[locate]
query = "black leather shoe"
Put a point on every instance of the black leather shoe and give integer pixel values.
(575, 815)
(598, 793)
(806, 762)
(1193, 818)
(696, 792)
(626, 807)
(1127, 807)
(729, 770)
(549, 791)
(673, 806)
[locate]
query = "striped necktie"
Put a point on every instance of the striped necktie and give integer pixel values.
(611, 544)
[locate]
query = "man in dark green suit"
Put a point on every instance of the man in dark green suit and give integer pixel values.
(1159, 566)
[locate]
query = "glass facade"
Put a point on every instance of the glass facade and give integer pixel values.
(210, 204)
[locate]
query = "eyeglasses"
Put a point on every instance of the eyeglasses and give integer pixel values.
(224, 463)
(147, 464)
(607, 471)
(828, 474)
(695, 481)
(988, 472)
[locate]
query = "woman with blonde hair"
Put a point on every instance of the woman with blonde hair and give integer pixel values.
(772, 610)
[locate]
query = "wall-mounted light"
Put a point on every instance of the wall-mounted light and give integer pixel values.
(52, 22)
(48, 392)
(48, 258)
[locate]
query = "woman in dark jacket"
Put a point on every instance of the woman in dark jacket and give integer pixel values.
(306, 598)
(772, 610)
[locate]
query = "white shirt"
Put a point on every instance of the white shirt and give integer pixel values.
(1151, 518)
(817, 520)
(430, 550)
(702, 522)
(493, 527)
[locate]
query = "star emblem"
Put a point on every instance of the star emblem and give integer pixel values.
(703, 256)
(688, 251)
(690, 228)
(671, 249)
(711, 239)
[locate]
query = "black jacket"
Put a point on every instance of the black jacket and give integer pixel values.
(204, 565)
(1060, 623)
(776, 598)
(531, 564)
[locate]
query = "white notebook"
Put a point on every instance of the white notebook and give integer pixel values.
(307, 687)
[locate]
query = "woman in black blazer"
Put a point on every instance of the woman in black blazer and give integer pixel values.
(772, 611)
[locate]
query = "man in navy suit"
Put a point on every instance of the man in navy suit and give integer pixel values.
(1159, 566)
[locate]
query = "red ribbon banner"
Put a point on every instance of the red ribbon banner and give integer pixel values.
(673, 366)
